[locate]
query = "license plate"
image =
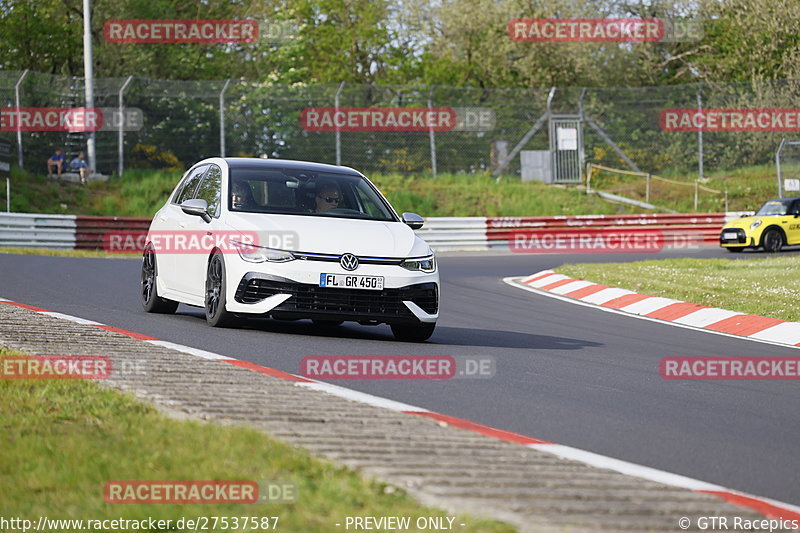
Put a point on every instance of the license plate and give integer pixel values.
(730, 235)
(351, 281)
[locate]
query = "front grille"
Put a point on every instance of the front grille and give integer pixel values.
(306, 297)
(741, 238)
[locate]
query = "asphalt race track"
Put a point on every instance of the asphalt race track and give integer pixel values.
(565, 373)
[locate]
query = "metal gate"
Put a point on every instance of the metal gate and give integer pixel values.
(566, 148)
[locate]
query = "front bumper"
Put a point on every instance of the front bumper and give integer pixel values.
(740, 241)
(401, 305)
(291, 290)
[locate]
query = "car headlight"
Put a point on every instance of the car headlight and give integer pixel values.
(755, 224)
(423, 264)
(259, 254)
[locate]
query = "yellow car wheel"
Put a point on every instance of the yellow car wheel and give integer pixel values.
(773, 240)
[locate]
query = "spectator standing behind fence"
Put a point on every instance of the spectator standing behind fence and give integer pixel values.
(56, 160)
(80, 166)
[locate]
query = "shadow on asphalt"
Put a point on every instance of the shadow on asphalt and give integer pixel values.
(443, 336)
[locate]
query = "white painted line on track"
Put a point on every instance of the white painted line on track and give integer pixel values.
(189, 350)
(624, 467)
(71, 318)
(361, 397)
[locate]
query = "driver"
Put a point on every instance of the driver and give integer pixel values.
(242, 196)
(328, 197)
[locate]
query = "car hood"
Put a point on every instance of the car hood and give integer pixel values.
(745, 222)
(328, 235)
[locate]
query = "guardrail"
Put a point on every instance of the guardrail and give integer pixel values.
(442, 233)
(37, 231)
(674, 228)
(90, 231)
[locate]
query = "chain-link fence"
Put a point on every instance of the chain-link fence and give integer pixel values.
(184, 121)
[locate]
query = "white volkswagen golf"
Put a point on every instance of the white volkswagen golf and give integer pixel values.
(291, 240)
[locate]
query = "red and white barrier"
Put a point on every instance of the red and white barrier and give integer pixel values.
(442, 233)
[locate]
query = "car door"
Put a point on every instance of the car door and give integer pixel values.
(191, 265)
(792, 227)
(171, 222)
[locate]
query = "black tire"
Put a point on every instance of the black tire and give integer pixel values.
(735, 250)
(417, 333)
(773, 240)
(151, 301)
(216, 314)
(327, 323)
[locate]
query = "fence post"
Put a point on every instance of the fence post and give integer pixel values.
(222, 118)
(19, 130)
(647, 188)
(8, 195)
(726, 200)
(778, 166)
(120, 135)
(696, 193)
(338, 133)
(700, 135)
(88, 83)
(588, 178)
(432, 135)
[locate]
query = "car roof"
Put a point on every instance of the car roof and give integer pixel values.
(784, 199)
(257, 162)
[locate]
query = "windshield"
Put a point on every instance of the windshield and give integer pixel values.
(300, 192)
(774, 207)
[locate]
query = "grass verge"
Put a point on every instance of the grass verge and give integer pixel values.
(140, 193)
(53, 252)
(761, 286)
(62, 440)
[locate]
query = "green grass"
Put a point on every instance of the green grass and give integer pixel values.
(52, 252)
(140, 193)
(460, 195)
(764, 286)
(62, 440)
(747, 187)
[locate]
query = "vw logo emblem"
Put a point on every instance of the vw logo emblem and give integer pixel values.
(349, 262)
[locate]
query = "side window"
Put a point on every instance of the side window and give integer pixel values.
(795, 209)
(180, 187)
(210, 189)
(187, 193)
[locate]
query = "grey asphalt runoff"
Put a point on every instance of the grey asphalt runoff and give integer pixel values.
(565, 373)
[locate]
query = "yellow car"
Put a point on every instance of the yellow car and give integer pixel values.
(774, 226)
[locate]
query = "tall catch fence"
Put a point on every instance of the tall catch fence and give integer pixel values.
(183, 121)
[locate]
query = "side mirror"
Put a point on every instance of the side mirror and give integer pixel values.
(197, 207)
(413, 220)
